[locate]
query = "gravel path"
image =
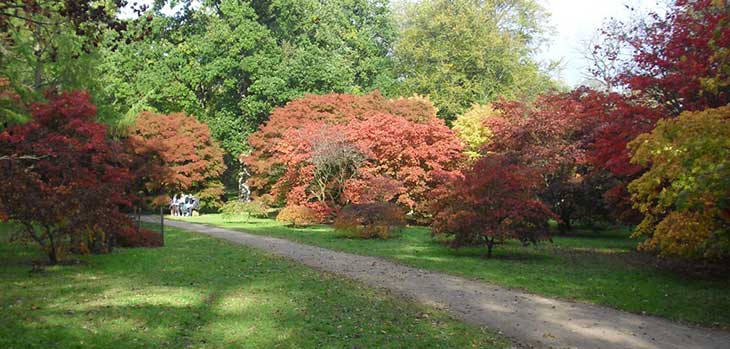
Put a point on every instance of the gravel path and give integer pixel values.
(531, 320)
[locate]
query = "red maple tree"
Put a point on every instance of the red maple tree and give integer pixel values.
(400, 143)
(680, 59)
(495, 200)
(64, 178)
(679, 62)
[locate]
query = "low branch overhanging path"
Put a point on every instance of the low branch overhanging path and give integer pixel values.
(528, 319)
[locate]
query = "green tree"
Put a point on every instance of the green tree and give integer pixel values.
(230, 62)
(468, 51)
(53, 45)
(204, 62)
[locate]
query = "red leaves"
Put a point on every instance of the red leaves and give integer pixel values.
(131, 237)
(677, 59)
(402, 141)
(64, 175)
(546, 135)
(74, 105)
(495, 199)
(615, 120)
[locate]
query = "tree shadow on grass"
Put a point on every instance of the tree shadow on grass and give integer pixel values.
(201, 292)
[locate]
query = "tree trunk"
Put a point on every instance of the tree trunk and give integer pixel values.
(52, 250)
(52, 256)
(490, 245)
(565, 227)
(38, 53)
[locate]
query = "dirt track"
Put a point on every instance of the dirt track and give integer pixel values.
(529, 319)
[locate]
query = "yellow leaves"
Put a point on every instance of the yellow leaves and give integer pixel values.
(470, 128)
(681, 233)
(688, 159)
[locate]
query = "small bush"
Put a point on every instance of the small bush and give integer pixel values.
(371, 220)
(298, 216)
(325, 214)
(233, 210)
(130, 237)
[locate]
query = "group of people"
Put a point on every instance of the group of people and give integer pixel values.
(184, 205)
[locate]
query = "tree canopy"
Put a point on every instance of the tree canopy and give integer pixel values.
(466, 51)
(339, 148)
(685, 193)
(231, 62)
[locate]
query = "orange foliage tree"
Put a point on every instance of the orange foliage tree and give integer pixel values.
(191, 160)
(377, 150)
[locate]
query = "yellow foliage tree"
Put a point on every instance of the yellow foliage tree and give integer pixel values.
(685, 192)
(471, 130)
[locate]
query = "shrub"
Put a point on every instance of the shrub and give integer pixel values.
(131, 237)
(493, 201)
(684, 195)
(235, 209)
(371, 220)
(324, 213)
(321, 148)
(298, 216)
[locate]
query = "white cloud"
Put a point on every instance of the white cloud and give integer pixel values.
(575, 21)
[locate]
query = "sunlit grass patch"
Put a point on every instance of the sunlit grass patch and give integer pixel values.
(204, 293)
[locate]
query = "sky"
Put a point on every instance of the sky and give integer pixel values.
(576, 21)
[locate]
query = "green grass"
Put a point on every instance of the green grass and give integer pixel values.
(597, 268)
(198, 292)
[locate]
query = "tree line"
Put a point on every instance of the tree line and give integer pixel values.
(437, 107)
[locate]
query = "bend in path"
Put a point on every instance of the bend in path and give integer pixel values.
(529, 319)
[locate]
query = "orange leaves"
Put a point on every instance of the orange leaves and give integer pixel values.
(372, 220)
(680, 233)
(190, 159)
(401, 141)
(298, 216)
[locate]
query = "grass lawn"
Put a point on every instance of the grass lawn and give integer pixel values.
(198, 292)
(602, 269)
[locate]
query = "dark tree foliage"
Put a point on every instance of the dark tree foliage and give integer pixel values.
(63, 179)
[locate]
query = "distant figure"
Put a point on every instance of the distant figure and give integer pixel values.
(195, 209)
(187, 205)
(174, 206)
(244, 191)
(184, 205)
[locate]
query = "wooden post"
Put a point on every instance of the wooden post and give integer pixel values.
(138, 218)
(162, 224)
